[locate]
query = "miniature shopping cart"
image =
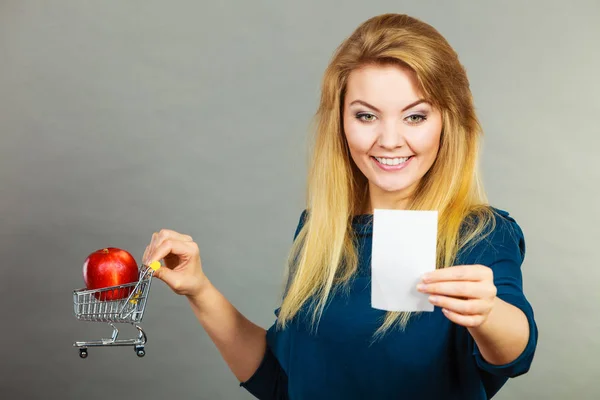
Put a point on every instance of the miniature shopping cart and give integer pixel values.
(115, 304)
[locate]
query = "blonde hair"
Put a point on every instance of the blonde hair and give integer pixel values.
(323, 256)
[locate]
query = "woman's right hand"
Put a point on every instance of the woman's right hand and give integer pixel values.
(182, 270)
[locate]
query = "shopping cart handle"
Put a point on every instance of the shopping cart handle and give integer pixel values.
(154, 265)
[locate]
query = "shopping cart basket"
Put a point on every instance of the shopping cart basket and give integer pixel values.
(115, 304)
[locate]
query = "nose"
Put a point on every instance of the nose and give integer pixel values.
(391, 135)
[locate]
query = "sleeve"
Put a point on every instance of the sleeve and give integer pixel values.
(503, 250)
(270, 380)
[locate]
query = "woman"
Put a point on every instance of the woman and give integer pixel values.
(396, 129)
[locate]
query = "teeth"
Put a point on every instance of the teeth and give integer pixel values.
(392, 161)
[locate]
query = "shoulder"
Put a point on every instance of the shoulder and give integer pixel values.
(500, 235)
(507, 232)
(301, 222)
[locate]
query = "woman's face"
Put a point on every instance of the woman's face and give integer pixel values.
(392, 133)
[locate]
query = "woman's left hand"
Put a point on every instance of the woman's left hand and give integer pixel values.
(465, 293)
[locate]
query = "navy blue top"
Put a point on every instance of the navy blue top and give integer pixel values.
(433, 358)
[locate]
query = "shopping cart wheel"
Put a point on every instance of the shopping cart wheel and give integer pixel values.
(139, 350)
(83, 353)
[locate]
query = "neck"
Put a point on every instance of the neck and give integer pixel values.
(387, 200)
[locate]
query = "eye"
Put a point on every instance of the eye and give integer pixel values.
(415, 119)
(365, 117)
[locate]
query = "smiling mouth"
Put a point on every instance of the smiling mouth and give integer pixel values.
(392, 161)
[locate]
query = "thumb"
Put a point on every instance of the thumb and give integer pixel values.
(164, 274)
(184, 251)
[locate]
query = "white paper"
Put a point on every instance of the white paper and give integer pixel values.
(404, 248)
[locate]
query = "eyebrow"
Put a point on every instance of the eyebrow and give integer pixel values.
(411, 105)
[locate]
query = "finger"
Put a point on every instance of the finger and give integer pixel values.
(145, 259)
(166, 275)
(166, 234)
(468, 321)
(185, 250)
(464, 289)
(151, 246)
(464, 307)
(459, 273)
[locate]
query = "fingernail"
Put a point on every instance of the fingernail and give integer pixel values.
(421, 286)
(433, 299)
(425, 277)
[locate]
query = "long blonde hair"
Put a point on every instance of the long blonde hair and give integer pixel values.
(323, 256)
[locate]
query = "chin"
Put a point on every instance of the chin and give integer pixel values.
(392, 187)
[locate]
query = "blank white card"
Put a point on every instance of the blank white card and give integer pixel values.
(404, 248)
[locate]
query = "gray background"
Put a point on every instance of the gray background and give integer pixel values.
(121, 118)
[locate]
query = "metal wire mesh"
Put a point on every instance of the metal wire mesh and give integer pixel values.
(123, 303)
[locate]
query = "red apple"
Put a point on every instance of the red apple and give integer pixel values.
(110, 267)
